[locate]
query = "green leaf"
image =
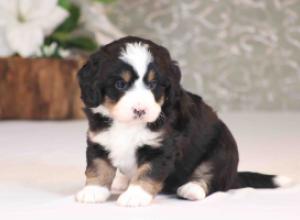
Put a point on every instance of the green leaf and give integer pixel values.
(63, 34)
(84, 43)
(72, 20)
(66, 4)
(60, 37)
(66, 40)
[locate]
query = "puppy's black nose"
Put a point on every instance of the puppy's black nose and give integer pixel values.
(139, 112)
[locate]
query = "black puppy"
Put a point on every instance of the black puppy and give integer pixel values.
(148, 134)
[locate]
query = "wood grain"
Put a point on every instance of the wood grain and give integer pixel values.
(39, 88)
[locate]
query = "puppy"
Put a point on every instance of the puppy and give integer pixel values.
(150, 134)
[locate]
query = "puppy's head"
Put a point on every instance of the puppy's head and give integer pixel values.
(129, 80)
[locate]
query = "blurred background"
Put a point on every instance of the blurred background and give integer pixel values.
(240, 55)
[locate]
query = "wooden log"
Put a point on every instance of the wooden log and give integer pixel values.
(39, 88)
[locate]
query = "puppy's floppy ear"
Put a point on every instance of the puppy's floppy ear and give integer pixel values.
(173, 73)
(174, 77)
(90, 88)
(176, 73)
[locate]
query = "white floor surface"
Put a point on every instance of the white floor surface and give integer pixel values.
(42, 166)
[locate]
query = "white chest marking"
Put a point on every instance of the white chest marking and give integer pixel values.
(122, 141)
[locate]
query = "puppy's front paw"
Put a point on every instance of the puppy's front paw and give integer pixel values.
(92, 194)
(135, 196)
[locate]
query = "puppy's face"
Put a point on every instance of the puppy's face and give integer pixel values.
(127, 82)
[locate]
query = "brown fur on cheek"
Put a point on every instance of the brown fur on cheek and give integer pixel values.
(143, 180)
(161, 100)
(109, 104)
(101, 172)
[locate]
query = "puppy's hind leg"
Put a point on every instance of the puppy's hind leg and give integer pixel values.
(198, 186)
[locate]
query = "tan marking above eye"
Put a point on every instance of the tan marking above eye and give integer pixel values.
(150, 76)
(126, 76)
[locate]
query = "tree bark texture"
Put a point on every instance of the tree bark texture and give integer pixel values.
(39, 88)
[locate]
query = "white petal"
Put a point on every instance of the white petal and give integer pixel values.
(4, 47)
(44, 13)
(25, 39)
(50, 21)
(34, 9)
(64, 53)
(8, 12)
(10, 6)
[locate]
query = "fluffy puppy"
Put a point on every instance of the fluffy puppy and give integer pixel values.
(151, 135)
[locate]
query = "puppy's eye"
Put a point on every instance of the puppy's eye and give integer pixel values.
(152, 84)
(121, 84)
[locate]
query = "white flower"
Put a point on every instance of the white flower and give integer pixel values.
(50, 50)
(25, 23)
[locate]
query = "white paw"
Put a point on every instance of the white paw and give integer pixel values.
(134, 196)
(92, 194)
(191, 191)
(120, 182)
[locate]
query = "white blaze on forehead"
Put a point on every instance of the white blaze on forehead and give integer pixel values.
(138, 56)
